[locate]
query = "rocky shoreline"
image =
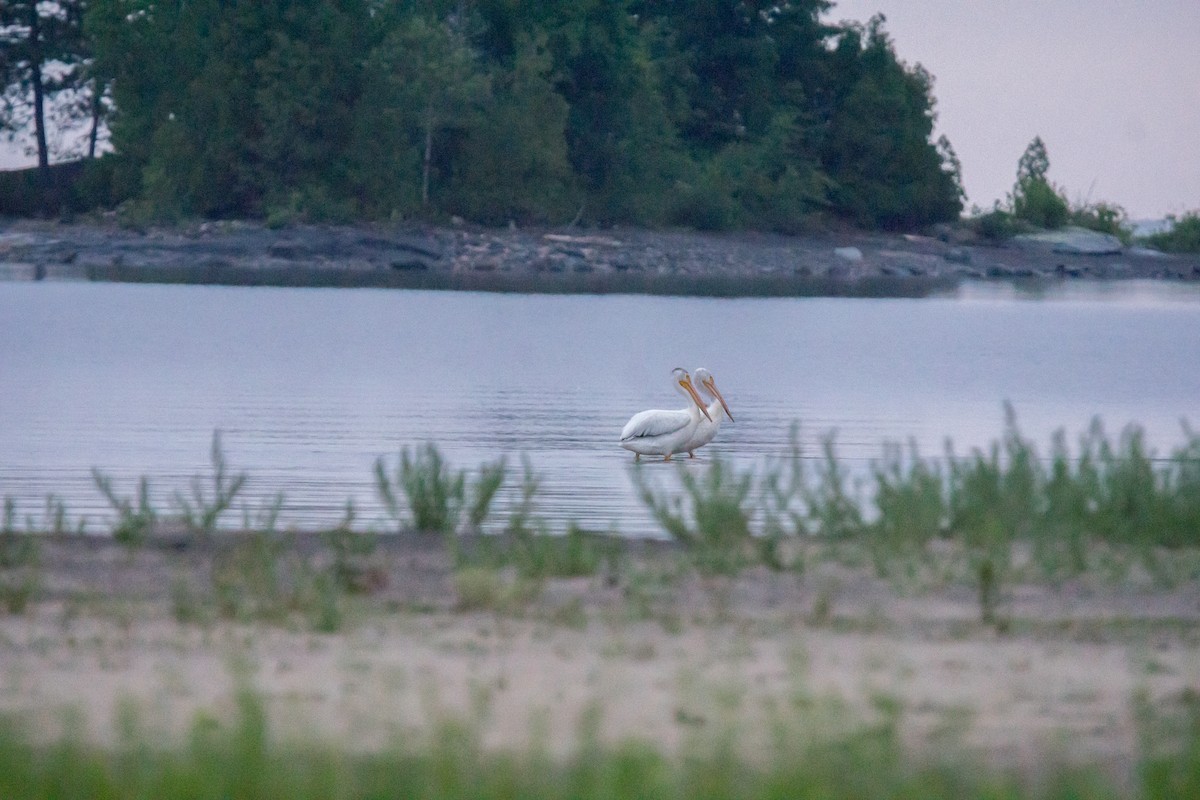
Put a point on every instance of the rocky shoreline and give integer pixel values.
(616, 260)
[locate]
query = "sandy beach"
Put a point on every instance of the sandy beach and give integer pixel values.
(646, 649)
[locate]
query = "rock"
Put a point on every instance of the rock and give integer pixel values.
(848, 253)
(285, 250)
(958, 255)
(22, 271)
(943, 232)
(1146, 252)
(1073, 240)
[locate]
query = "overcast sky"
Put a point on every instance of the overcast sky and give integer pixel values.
(1111, 86)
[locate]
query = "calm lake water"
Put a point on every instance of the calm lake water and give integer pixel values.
(310, 386)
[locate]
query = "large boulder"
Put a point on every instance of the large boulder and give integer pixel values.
(1073, 240)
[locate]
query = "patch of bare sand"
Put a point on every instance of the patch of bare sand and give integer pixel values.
(764, 655)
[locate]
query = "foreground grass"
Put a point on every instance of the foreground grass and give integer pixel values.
(244, 758)
(990, 517)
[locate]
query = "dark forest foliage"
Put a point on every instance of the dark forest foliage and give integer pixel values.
(714, 114)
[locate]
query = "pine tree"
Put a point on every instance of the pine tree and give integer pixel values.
(1034, 199)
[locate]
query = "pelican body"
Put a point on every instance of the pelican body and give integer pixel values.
(706, 430)
(661, 432)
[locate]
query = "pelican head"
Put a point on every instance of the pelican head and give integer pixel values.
(683, 383)
(705, 379)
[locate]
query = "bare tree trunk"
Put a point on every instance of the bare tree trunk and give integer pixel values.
(428, 162)
(97, 107)
(39, 94)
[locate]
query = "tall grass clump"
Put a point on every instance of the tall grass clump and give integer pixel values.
(833, 501)
(136, 516)
(1060, 506)
(20, 576)
(483, 491)
(201, 511)
(911, 502)
(714, 522)
(811, 497)
(424, 493)
(434, 492)
(528, 546)
(262, 576)
(992, 502)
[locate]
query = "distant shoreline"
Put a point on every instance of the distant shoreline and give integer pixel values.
(626, 260)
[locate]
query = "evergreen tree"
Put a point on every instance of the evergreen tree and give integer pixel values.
(515, 168)
(714, 113)
(878, 154)
(1034, 199)
(622, 144)
(307, 94)
(425, 82)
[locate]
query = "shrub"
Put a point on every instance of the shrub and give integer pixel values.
(1040, 203)
(1104, 218)
(1182, 237)
(996, 225)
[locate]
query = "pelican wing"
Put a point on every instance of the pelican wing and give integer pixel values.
(654, 423)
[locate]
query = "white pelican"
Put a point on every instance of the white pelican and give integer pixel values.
(707, 429)
(659, 432)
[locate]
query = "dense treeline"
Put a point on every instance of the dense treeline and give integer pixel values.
(708, 113)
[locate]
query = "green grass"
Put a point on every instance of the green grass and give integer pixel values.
(1105, 505)
(1107, 491)
(244, 757)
